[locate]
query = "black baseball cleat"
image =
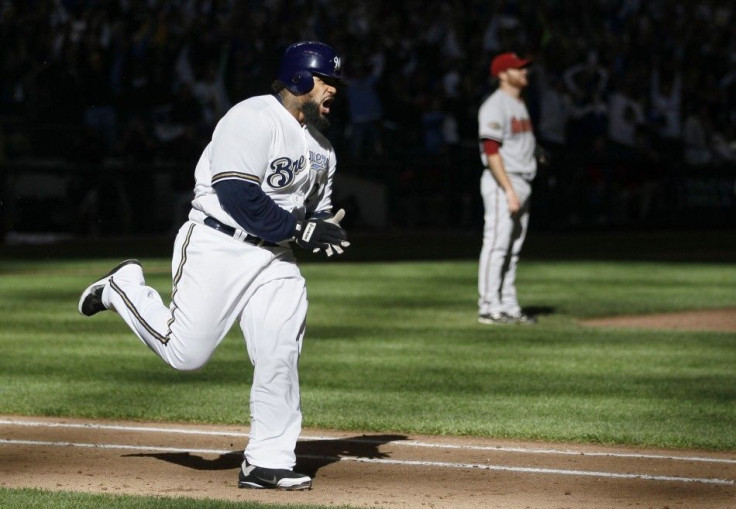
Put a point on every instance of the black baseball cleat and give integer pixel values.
(269, 478)
(90, 302)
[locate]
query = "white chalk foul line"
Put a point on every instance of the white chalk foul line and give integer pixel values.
(440, 464)
(403, 443)
(125, 447)
(532, 470)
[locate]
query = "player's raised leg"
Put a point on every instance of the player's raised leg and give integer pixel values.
(186, 332)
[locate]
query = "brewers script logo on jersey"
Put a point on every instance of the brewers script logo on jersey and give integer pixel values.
(284, 170)
(318, 161)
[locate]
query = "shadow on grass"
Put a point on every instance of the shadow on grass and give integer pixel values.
(312, 455)
(539, 310)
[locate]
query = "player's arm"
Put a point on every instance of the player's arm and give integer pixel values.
(257, 213)
(319, 206)
(254, 210)
(240, 163)
(498, 170)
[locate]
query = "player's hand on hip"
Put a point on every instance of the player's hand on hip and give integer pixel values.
(321, 234)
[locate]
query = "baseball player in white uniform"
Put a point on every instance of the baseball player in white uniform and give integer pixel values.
(263, 181)
(507, 151)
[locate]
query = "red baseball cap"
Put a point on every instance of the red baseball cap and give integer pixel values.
(506, 61)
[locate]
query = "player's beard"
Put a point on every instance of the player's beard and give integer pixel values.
(314, 117)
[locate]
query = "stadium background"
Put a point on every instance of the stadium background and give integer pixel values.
(105, 107)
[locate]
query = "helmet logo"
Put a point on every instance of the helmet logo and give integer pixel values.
(336, 61)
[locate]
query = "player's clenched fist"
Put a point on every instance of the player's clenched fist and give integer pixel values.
(319, 234)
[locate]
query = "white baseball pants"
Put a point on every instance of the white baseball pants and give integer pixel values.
(217, 280)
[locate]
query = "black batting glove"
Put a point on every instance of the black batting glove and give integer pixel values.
(335, 249)
(317, 234)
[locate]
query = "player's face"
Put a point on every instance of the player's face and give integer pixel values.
(318, 101)
(517, 77)
(324, 93)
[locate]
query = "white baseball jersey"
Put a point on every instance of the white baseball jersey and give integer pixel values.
(505, 119)
(259, 141)
(219, 279)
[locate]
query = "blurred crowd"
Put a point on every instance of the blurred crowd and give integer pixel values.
(621, 90)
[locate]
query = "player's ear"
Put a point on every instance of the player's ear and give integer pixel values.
(301, 82)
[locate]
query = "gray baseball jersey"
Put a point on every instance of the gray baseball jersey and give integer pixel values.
(505, 119)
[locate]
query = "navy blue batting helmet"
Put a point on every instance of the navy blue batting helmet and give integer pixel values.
(303, 60)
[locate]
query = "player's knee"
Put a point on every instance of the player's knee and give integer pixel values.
(184, 357)
(189, 364)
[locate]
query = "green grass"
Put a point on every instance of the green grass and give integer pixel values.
(396, 347)
(409, 350)
(42, 499)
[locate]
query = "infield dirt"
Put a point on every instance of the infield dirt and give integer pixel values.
(723, 320)
(361, 470)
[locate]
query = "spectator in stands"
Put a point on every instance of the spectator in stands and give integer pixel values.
(665, 107)
(504, 29)
(587, 81)
(723, 142)
(100, 113)
(179, 124)
(209, 89)
(587, 84)
(646, 183)
(625, 115)
(555, 110)
(433, 120)
(72, 69)
(557, 184)
(696, 136)
(365, 109)
(136, 143)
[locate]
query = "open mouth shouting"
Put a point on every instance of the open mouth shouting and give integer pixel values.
(326, 105)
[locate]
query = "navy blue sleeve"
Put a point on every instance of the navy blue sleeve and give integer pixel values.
(254, 211)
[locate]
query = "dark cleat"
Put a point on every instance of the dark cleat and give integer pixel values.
(90, 303)
(271, 478)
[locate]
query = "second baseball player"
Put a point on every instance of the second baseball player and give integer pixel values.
(507, 152)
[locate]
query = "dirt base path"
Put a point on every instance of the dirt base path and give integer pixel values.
(722, 320)
(371, 470)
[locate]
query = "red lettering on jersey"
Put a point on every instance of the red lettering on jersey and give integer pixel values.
(520, 125)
